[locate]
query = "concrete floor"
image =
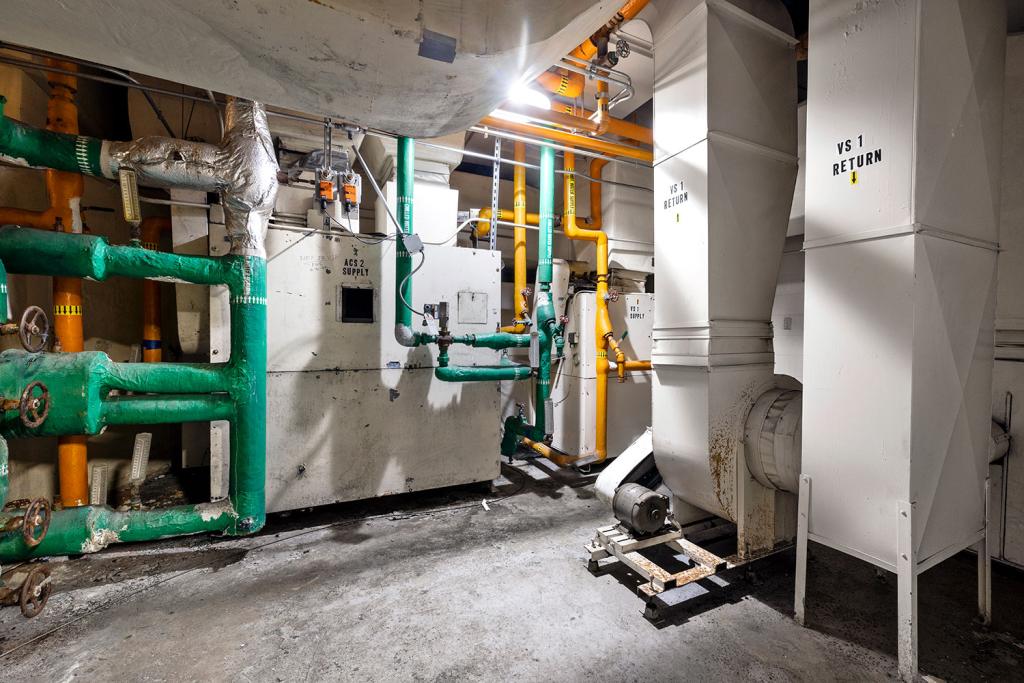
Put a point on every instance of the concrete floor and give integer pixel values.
(436, 587)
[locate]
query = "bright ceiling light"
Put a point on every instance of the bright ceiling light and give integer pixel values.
(520, 93)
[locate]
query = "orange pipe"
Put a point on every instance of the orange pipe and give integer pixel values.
(602, 108)
(571, 84)
(620, 127)
(65, 192)
(562, 82)
(578, 141)
(565, 117)
(152, 343)
(588, 48)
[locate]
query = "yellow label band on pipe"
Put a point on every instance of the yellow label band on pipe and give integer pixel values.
(67, 310)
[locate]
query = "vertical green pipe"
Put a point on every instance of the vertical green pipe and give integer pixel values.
(5, 472)
(4, 311)
(545, 322)
(403, 260)
(249, 430)
(544, 316)
(547, 216)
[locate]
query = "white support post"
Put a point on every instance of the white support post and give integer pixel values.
(906, 575)
(801, 549)
(985, 568)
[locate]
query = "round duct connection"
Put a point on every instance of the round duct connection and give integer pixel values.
(772, 439)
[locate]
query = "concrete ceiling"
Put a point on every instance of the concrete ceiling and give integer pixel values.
(415, 67)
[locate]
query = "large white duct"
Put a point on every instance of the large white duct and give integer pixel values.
(415, 67)
(903, 164)
(725, 137)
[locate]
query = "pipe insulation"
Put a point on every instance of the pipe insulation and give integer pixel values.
(242, 168)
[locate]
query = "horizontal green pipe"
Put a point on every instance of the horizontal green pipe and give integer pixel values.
(168, 378)
(80, 383)
(151, 410)
(27, 146)
(457, 373)
(88, 529)
(473, 373)
(498, 340)
(39, 252)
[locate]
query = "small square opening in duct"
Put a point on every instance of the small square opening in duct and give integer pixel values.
(356, 304)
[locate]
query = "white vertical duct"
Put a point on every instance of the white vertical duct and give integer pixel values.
(903, 165)
(725, 138)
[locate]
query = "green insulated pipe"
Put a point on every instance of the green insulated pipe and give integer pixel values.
(27, 146)
(4, 311)
(91, 528)
(5, 473)
(403, 260)
(80, 386)
(544, 318)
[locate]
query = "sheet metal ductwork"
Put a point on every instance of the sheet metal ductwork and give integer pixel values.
(725, 138)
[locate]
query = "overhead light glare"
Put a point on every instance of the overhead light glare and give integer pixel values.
(520, 93)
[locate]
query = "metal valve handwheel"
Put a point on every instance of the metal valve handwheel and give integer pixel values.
(35, 591)
(34, 329)
(36, 522)
(34, 407)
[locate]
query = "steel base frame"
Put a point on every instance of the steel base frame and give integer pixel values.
(908, 568)
(618, 542)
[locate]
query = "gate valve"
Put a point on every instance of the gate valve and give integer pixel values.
(33, 407)
(34, 329)
(35, 591)
(36, 522)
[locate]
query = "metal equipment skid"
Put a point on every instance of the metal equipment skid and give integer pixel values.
(618, 542)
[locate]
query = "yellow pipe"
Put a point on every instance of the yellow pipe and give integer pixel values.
(602, 322)
(521, 304)
(579, 141)
(484, 224)
(553, 454)
(596, 219)
(152, 342)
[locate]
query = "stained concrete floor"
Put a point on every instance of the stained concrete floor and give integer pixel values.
(437, 587)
